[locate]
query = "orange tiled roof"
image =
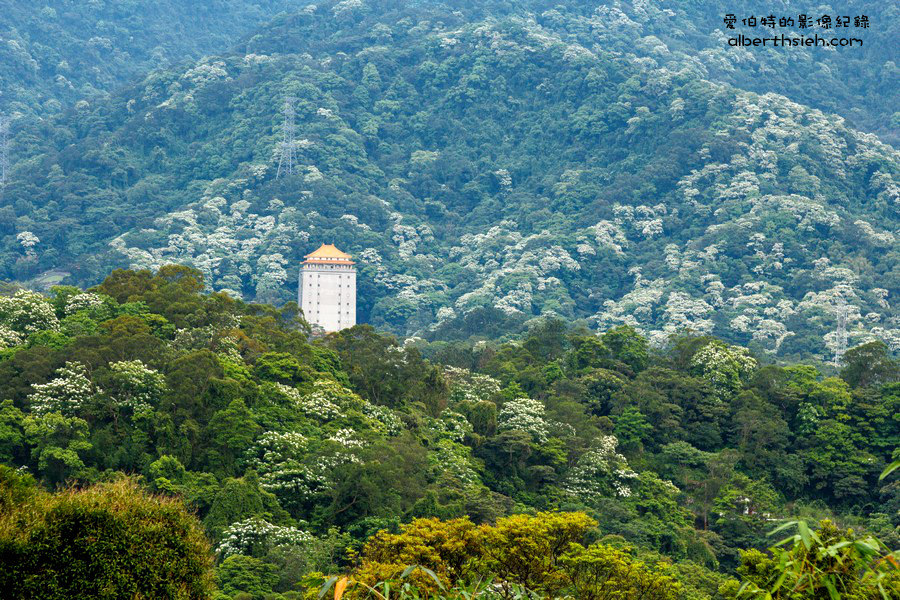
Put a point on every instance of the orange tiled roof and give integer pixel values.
(327, 252)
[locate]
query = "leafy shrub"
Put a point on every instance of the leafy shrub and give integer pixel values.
(108, 541)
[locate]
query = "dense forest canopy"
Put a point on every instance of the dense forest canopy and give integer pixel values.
(292, 451)
(58, 52)
(609, 269)
(560, 170)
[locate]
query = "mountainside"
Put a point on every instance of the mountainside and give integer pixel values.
(485, 165)
(56, 52)
(858, 82)
(352, 454)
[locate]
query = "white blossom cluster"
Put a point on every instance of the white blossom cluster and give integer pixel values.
(9, 338)
(387, 420)
(138, 387)
(883, 239)
(28, 241)
(274, 448)
(470, 387)
(450, 426)
(84, 301)
(524, 414)
(27, 312)
(255, 536)
(346, 438)
(503, 177)
(65, 393)
(599, 472)
(231, 246)
(509, 270)
(725, 367)
(316, 404)
(280, 461)
(454, 459)
(645, 221)
(609, 235)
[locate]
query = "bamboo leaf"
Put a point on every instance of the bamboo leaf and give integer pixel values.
(408, 570)
(890, 469)
(782, 527)
(433, 576)
(831, 589)
(832, 549)
(803, 529)
(779, 581)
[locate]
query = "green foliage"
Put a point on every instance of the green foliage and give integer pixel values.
(293, 452)
(59, 53)
(539, 553)
(870, 364)
(246, 575)
(828, 563)
(405, 159)
(107, 541)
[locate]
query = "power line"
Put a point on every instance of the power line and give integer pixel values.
(288, 144)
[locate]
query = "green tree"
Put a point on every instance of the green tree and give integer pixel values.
(601, 572)
(627, 346)
(631, 429)
(11, 432)
(240, 574)
(58, 444)
(107, 541)
(231, 433)
(870, 364)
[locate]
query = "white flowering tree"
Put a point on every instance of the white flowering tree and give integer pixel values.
(453, 460)
(450, 426)
(134, 385)
(601, 472)
(383, 419)
(466, 386)
(524, 414)
(288, 467)
(9, 338)
(256, 537)
(28, 241)
(328, 401)
(94, 305)
(273, 449)
(66, 393)
(725, 367)
(27, 312)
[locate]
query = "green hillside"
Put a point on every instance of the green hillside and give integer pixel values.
(485, 165)
(56, 52)
(480, 461)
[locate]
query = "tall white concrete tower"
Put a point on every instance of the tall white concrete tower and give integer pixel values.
(328, 289)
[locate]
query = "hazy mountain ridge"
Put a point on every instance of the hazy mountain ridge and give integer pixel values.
(57, 52)
(559, 179)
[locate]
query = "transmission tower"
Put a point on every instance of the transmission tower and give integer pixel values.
(288, 144)
(4, 149)
(840, 334)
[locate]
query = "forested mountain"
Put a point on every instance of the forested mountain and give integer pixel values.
(56, 52)
(293, 453)
(604, 263)
(493, 162)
